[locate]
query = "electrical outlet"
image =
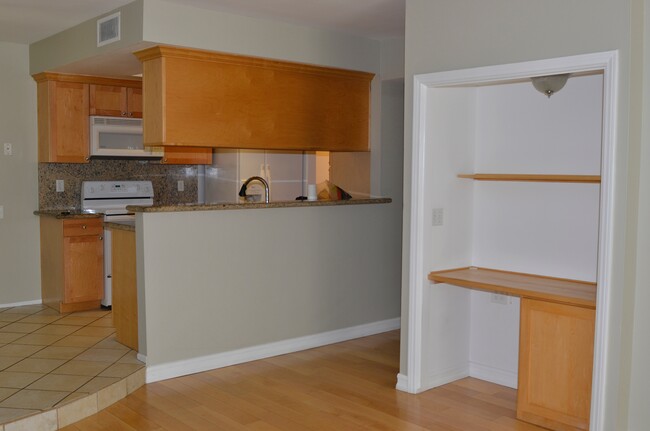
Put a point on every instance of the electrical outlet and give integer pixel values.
(181, 185)
(497, 298)
(8, 149)
(60, 186)
(2, 212)
(438, 216)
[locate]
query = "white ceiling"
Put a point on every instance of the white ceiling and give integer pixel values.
(26, 21)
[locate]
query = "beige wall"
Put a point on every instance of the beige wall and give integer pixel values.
(79, 43)
(639, 393)
(257, 276)
(172, 23)
(19, 229)
(448, 35)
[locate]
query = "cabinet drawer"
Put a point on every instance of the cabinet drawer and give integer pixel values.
(82, 227)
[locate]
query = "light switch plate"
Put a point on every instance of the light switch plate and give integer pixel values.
(8, 149)
(438, 216)
(2, 212)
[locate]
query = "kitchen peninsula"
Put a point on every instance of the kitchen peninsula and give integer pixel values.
(245, 284)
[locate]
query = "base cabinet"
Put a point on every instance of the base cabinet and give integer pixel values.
(555, 364)
(72, 263)
(125, 297)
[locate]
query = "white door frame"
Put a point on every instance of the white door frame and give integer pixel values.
(607, 62)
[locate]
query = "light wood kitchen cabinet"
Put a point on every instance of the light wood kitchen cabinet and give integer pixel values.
(62, 120)
(556, 350)
(125, 296)
(187, 156)
(116, 101)
(64, 107)
(208, 99)
(65, 103)
(556, 342)
(72, 263)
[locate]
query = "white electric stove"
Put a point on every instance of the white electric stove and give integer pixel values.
(111, 199)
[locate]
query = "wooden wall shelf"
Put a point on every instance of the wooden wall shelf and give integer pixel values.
(534, 178)
(572, 292)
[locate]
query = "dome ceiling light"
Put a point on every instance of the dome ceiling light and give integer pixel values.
(550, 84)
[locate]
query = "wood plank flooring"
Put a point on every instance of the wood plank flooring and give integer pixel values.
(341, 387)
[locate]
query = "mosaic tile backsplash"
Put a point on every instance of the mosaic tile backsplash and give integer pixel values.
(163, 177)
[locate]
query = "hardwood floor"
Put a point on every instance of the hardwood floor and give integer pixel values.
(341, 387)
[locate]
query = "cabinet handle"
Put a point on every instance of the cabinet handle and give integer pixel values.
(101, 238)
(123, 114)
(130, 114)
(83, 226)
(87, 158)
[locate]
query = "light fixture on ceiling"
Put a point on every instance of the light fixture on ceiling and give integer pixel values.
(550, 84)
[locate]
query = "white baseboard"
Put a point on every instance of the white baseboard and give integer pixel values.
(195, 365)
(402, 383)
(494, 375)
(142, 358)
(20, 304)
(443, 377)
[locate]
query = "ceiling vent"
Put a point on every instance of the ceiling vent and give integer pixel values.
(108, 29)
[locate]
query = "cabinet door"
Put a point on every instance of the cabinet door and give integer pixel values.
(134, 102)
(63, 122)
(187, 156)
(108, 100)
(555, 365)
(83, 258)
(125, 295)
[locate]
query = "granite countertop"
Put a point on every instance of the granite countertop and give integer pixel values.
(120, 225)
(256, 205)
(67, 214)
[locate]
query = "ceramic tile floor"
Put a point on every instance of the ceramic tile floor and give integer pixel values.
(48, 359)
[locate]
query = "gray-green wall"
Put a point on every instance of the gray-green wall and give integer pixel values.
(80, 42)
(212, 282)
(19, 229)
(448, 35)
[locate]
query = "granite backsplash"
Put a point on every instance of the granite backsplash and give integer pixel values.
(164, 178)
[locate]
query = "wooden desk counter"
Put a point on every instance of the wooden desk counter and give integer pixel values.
(572, 292)
(556, 342)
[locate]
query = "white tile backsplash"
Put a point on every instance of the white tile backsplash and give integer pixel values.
(231, 168)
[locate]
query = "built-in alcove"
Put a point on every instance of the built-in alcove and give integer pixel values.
(546, 228)
(508, 179)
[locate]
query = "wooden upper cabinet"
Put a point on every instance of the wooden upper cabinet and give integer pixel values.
(115, 101)
(66, 101)
(62, 121)
(206, 99)
(187, 156)
(134, 102)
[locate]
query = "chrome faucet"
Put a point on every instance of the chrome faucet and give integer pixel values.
(242, 191)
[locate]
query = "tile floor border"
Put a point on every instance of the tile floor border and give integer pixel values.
(40, 348)
(78, 409)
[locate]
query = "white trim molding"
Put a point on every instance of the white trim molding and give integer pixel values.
(209, 362)
(402, 382)
(21, 303)
(606, 316)
(492, 374)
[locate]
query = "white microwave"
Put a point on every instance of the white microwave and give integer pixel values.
(119, 137)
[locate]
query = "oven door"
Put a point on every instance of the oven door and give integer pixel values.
(107, 301)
